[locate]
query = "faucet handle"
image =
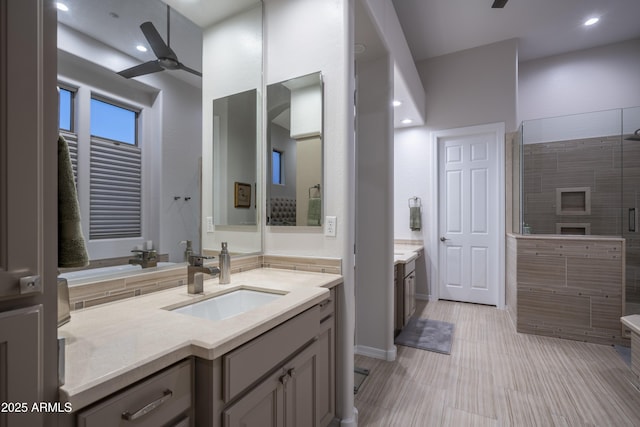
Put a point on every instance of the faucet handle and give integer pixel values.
(198, 260)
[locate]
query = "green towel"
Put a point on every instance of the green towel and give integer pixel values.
(415, 220)
(71, 247)
(313, 214)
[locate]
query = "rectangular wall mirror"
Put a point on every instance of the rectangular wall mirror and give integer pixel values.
(295, 153)
(235, 159)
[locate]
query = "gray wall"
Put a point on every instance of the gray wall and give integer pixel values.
(471, 87)
(595, 79)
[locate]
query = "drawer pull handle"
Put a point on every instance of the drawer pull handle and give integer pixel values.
(148, 408)
(284, 379)
(324, 303)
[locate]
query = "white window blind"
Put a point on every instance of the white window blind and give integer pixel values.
(116, 190)
(72, 142)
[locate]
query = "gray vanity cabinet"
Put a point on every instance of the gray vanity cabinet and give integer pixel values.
(284, 377)
(405, 294)
(164, 399)
(326, 386)
(409, 286)
(285, 398)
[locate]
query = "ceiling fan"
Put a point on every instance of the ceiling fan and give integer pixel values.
(499, 4)
(166, 57)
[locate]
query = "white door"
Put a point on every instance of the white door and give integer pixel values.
(469, 214)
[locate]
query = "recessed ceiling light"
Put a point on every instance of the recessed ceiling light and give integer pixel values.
(63, 7)
(397, 103)
(406, 121)
(141, 48)
(591, 21)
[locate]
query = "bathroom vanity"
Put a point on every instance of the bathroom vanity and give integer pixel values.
(405, 257)
(136, 359)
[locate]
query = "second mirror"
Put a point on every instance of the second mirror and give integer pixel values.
(294, 144)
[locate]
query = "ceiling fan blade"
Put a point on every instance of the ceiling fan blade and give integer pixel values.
(499, 4)
(159, 47)
(190, 70)
(139, 70)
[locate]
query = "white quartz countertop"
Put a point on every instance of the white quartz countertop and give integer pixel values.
(404, 253)
(113, 345)
(632, 322)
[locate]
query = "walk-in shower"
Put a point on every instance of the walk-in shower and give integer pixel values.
(580, 175)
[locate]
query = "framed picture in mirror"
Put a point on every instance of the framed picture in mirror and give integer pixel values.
(242, 195)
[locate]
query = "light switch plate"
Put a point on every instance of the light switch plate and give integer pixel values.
(209, 224)
(330, 225)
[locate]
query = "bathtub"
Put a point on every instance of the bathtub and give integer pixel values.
(95, 274)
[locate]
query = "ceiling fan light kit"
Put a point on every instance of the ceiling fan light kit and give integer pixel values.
(166, 57)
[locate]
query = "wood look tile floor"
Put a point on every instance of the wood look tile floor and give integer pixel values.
(495, 376)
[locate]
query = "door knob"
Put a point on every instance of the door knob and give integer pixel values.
(443, 239)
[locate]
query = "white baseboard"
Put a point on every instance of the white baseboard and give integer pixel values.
(351, 421)
(376, 353)
(422, 297)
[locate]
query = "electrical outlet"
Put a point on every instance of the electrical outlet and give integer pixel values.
(209, 224)
(330, 225)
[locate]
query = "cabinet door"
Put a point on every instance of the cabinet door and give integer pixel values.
(27, 147)
(409, 296)
(20, 352)
(301, 389)
(398, 301)
(326, 378)
(262, 407)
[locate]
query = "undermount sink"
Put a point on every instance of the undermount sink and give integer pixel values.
(228, 305)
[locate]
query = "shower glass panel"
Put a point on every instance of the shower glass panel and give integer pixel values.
(572, 174)
(631, 207)
(580, 174)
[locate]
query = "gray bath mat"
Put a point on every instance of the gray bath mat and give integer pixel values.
(426, 334)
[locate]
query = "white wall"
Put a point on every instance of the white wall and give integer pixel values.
(316, 32)
(588, 80)
(232, 63)
(412, 177)
(374, 225)
(171, 138)
(303, 37)
(471, 87)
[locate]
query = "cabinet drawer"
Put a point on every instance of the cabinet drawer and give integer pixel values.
(248, 363)
(327, 307)
(164, 399)
(409, 268)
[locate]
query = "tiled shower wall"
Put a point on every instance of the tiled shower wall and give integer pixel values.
(593, 163)
(610, 168)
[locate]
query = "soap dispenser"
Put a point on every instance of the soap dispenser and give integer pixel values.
(225, 265)
(188, 250)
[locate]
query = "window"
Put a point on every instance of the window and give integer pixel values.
(66, 120)
(110, 121)
(66, 98)
(115, 172)
(276, 165)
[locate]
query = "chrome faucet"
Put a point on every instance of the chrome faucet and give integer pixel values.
(196, 265)
(145, 258)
